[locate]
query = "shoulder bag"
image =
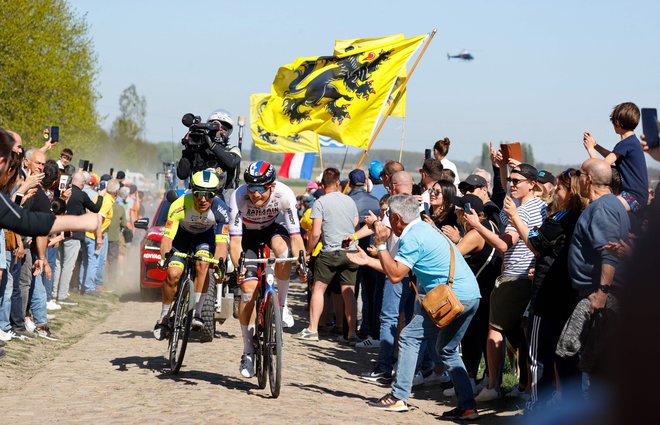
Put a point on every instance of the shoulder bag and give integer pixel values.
(441, 303)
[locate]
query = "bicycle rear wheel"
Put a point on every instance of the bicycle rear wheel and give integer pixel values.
(273, 346)
(183, 315)
(261, 366)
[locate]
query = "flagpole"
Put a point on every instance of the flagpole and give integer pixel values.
(403, 130)
(318, 142)
(393, 104)
(344, 161)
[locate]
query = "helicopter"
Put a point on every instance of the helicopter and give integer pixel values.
(464, 55)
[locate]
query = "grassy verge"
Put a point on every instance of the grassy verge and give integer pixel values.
(23, 359)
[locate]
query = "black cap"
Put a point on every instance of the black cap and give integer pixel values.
(106, 177)
(121, 175)
(546, 177)
(357, 177)
(528, 171)
(475, 203)
(472, 180)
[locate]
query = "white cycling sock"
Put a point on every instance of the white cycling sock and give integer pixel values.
(164, 309)
(282, 290)
(200, 304)
(197, 296)
(247, 331)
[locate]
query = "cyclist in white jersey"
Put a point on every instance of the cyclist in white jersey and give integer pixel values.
(262, 210)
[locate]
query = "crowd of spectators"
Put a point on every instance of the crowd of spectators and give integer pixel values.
(40, 269)
(538, 267)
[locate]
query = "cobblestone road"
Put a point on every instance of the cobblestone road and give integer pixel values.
(117, 374)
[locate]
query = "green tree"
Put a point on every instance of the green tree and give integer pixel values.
(47, 72)
(132, 114)
(484, 161)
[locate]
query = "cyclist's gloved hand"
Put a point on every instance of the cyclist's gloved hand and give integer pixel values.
(161, 264)
(217, 273)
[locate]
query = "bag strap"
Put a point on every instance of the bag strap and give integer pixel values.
(492, 253)
(452, 266)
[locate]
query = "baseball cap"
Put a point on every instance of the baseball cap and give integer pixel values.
(106, 177)
(312, 185)
(357, 177)
(121, 175)
(475, 203)
(375, 169)
(546, 177)
(473, 180)
(528, 171)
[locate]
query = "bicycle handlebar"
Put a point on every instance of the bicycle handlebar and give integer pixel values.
(300, 259)
(169, 255)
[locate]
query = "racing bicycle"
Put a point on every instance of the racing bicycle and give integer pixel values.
(181, 312)
(268, 322)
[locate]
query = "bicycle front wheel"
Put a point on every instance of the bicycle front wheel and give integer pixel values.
(261, 364)
(183, 315)
(273, 346)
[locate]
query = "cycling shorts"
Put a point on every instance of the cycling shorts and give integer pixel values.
(201, 244)
(252, 238)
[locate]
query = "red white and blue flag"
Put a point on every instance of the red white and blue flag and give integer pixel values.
(297, 166)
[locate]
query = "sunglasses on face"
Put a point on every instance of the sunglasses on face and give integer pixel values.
(581, 173)
(203, 194)
(515, 182)
(257, 188)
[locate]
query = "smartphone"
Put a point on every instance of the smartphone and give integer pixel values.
(19, 198)
(650, 127)
(428, 154)
(91, 167)
(112, 170)
(64, 181)
(85, 165)
(45, 133)
(467, 208)
(81, 164)
(68, 234)
(54, 134)
(346, 243)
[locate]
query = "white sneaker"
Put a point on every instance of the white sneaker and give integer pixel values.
(437, 378)
(451, 392)
(418, 379)
(368, 343)
(53, 306)
(50, 317)
(247, 366)
(29, 324)
(6, 336)
(516, 393)
(483, 384)
(487, 394)
(287, 318)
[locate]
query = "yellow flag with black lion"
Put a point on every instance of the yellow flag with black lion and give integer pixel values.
(339, 96)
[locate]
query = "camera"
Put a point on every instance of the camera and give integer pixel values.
(199, 131)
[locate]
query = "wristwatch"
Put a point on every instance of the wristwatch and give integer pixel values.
(605, 288)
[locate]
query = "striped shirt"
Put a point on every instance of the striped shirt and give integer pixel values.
(518, 259)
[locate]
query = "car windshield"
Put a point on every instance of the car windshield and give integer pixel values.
(161, 218)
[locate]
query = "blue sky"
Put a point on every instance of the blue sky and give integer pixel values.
(544, 72)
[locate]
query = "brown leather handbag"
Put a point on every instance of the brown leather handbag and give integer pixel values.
(11, 241)
(441, 303)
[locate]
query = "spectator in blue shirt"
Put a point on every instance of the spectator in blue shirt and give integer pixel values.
(424, 251)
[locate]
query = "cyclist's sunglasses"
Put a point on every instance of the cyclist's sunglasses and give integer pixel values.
(203, 194)
(258, 188)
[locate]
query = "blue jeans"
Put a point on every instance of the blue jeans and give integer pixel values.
(448, 341)
(89, 265)
(100, 269)
(17, 313)
(397, 298)
(38, 301)
(421, 328)
(6, 288)
(51, 257)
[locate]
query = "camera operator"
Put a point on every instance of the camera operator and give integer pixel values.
(206, 145)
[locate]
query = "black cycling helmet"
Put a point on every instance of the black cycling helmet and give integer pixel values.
(259, 173)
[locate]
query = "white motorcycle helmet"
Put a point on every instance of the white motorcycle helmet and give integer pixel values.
(225, 120)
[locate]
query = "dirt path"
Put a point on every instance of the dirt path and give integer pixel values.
(116, 374)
